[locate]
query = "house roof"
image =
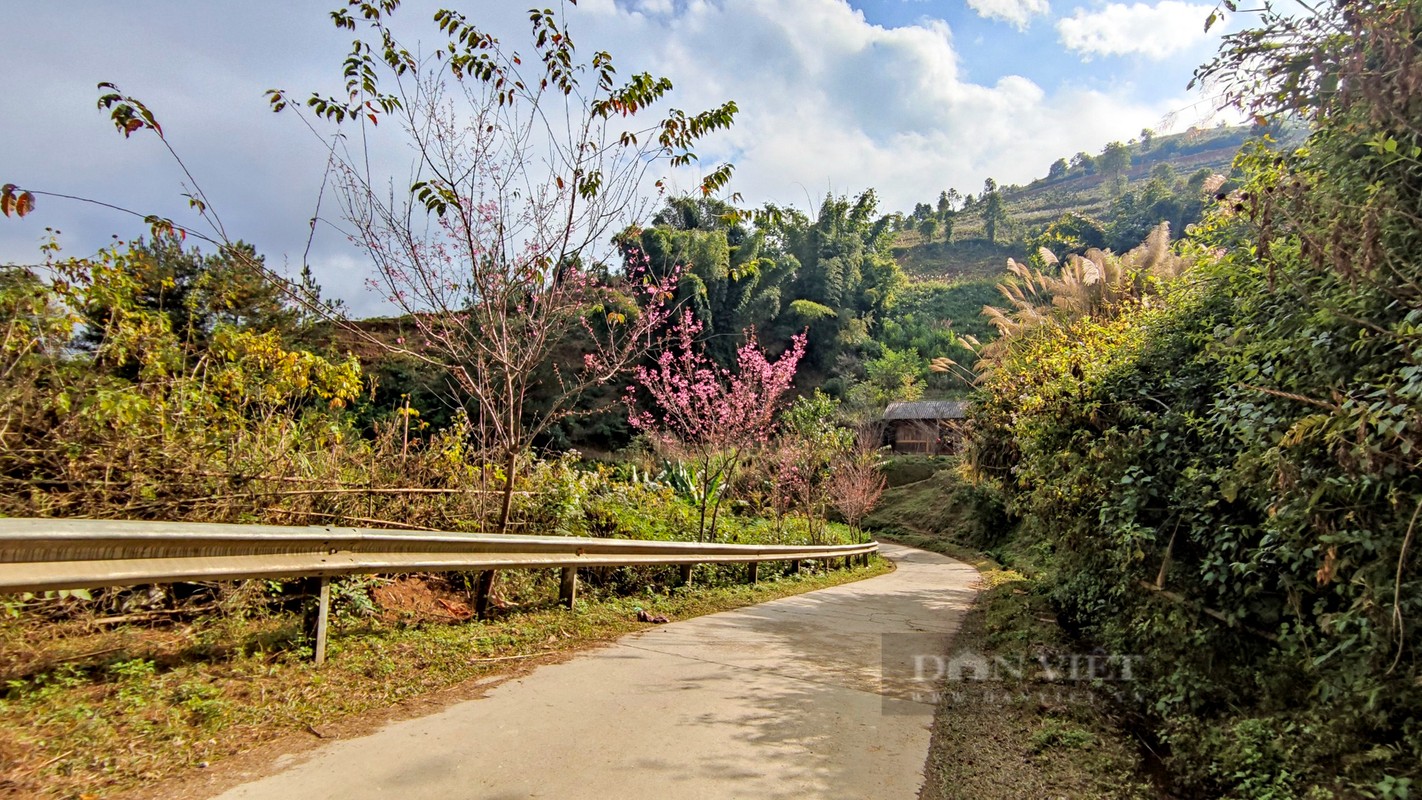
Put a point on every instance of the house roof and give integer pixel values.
(927, 409)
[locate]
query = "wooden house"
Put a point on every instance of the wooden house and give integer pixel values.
(926, 427)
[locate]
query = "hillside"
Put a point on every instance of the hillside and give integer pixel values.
(1044, 200)
(1080, 188)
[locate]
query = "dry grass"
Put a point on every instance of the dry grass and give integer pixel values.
(1026, 738)
(1011, 738)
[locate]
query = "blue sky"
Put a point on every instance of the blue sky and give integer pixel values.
(905, 96)
(1022, 38)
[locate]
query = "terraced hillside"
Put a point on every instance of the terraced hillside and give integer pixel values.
(1082, 189)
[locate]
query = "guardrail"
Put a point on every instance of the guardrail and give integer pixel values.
(45, 554)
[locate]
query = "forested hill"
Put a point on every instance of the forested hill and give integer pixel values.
(1122, 191)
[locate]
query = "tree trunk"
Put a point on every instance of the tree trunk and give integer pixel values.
(726, 475)
(705, 481)
(509, 466)
(715, 512)
(701, 521)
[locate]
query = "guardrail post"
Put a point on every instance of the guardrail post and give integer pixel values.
(323, 617)
(568, 588)
(795, 567)
(686, 574)
(481, 593)
(753, 574)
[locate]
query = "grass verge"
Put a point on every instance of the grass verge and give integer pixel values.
(115, 710)
(1023, 735)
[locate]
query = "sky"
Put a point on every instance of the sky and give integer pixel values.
(909, 97)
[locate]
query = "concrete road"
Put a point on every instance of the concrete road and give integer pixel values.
(787, 699)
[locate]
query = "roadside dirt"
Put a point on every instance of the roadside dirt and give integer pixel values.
(242, 767)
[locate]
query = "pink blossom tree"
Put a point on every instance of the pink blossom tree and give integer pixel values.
(856, 482)
(707, 414)
(523, 164)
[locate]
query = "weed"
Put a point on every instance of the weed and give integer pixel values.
(1057, 735)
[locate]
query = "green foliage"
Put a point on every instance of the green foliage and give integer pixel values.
(902, 470)
(810, 311)
(689, 484)
(933, 317)
(830, 274)
(804, 453)
(1134, 213)
(1057, 735)
(993, 210)
(1115, 159)
(727, 277)
(840, 262)
(235, 425)
(1224, 480)
(199, 293)
(928, 228)
(895, 375)
(1071, 233)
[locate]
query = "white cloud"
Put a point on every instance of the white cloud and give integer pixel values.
(828, 102)
(1017, 12)
(1154, 31)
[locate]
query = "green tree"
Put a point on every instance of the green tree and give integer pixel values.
(198, 292)
(928, 228)
(1163, 172)
(726, 276)
(947, 212)
(1136, 212)
(811, 439)
(1115, 159)
(994, 214)
(895, 375)
(841, 263)
(1057, 170)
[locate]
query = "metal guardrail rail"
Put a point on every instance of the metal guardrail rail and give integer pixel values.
(39, 555)
(43, 554)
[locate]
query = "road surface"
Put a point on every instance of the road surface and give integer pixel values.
(787, 699)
